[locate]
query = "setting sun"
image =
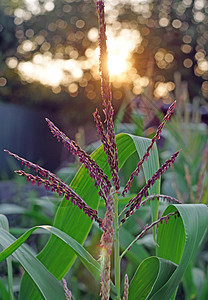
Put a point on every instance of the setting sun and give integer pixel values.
(116, 65)
(120, 51)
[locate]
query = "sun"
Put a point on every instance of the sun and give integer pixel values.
(116, 65)
(120, 48)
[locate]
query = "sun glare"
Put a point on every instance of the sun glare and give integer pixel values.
(59, 72)
(120, 52)
(116, 65)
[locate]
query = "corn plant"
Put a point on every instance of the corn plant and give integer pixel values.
(177, 233)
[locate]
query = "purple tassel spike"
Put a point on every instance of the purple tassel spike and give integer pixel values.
(156, 223)
(66, 290)
(91, 166)
(156, 137)
(107, 99)
(63, 189)
(103, 68)
(126, 288)
(159, 197)
(29, 165)
(136, 201)
(106, 244)
(112, 157)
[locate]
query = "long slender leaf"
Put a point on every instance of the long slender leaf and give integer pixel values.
(151, 274)
(204, 292)
(91, 264)
(148, 167)
(179, 241)
(56, 256)
(137, 253)
(5, 225)
(11, 209)
(4, 295)
(48, 285)
(189, 286)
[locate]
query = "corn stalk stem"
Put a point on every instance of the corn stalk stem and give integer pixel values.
(117, 249)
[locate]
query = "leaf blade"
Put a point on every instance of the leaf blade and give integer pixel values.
(195, 222)
(48, 285)
(149, 276)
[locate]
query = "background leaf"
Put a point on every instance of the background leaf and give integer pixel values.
(90, 263)
(204, 292)
(5, 225)
(137, 253)
(178, 242)
(188, 230)
(150, 167)
(4, 295)
(45, 281)
(151, 274)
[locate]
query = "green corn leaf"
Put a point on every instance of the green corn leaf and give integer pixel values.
(137, 252)
(48, 285)
(205, 191)
(150, 166)
(151, 274)
(4, 222)
(4, 295)
(56, 256)
(5, 225)
(91, 264)
(189, 285)
(204, 292)
(179, 241)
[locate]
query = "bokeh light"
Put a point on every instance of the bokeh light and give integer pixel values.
(144, 38)
(3, 81)
(162, 89)
(56, 72)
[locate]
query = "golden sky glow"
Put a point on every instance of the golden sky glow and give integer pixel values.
(70, 74)
(120, 49)
(116, 66)
(69, 69)
(55, 72)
